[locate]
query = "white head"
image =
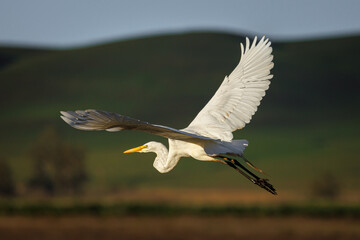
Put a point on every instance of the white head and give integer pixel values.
(147, 147)
(161, 163)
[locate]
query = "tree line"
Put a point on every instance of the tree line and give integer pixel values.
(58, 168)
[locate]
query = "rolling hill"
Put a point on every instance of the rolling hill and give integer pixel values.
(307, 124)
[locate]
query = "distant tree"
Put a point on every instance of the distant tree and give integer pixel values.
(59, 168)
(7, 186)
(326, 187)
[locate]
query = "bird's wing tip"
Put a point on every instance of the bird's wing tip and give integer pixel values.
(67, 120)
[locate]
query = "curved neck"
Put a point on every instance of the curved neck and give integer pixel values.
(163, 161)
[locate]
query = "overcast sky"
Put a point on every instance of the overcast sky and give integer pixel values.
(68, 23)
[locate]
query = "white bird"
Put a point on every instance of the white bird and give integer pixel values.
(209, 136)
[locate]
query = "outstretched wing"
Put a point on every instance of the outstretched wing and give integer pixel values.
(239, 95)
(112, 122)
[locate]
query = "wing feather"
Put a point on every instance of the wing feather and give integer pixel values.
(112, 122)
(239, 95)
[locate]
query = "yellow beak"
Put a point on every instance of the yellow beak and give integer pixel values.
(137, 149)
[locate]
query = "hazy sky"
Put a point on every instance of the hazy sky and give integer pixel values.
(65, 23)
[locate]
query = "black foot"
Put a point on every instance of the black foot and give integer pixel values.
(264, 183)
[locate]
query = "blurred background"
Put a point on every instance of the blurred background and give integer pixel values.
(161, 61)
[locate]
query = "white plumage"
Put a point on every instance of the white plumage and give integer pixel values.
(209, 136)
(239, 95)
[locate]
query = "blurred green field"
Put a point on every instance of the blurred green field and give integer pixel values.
(307, 124)
(61, 208)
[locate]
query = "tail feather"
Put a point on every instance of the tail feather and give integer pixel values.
(240, 145)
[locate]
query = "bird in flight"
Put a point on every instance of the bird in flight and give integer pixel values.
(209, 136)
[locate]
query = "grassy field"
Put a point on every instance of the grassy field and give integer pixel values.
(307, 125)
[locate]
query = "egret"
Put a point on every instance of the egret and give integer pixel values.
(209, 136)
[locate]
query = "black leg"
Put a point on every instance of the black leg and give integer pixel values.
(230, 164)
(263, 183)
(236, 162)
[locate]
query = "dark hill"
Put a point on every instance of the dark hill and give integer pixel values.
(179, 73)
